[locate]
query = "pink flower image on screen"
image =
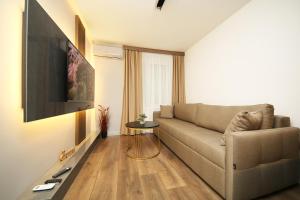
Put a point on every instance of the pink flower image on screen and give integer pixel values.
(75, 59)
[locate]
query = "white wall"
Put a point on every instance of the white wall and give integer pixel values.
(253, 57)
(109, 75)
(27, 150)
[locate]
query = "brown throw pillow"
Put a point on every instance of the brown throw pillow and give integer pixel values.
(243, 121)
(166, 112)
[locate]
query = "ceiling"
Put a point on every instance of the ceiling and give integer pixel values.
(176, 27)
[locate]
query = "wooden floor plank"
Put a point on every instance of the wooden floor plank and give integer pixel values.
(106, 184)
(84, 183)
(159, 166)
(182, 193)
(168, 174)
(128, 184)
(109, 174)
(153, 188)
(85, 180)
(198, 186)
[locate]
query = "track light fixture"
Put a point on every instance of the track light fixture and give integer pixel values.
(160, 4)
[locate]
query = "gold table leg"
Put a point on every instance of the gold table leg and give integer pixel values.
(138, 146)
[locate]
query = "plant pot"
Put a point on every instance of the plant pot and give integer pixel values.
(103, 134)
(142, 122)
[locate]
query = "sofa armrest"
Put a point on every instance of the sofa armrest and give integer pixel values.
(267, 158)
(251, 148)
(156, 114)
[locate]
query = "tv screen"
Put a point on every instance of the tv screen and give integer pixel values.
(80, 76)
(51, 88)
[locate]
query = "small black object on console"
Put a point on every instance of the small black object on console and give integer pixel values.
(61, 172)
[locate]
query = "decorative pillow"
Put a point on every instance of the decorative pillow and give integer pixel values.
(243, 121)
(166, 112)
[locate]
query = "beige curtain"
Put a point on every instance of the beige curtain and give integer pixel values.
(132, 95)
(178, 87)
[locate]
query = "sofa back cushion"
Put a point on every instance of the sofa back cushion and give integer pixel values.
(185, 112)
(281, 121)
(217, 117)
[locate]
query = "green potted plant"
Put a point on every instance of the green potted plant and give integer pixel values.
(103, 120)
(142, 118)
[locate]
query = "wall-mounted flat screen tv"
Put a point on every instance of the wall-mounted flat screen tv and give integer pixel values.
(57, 78)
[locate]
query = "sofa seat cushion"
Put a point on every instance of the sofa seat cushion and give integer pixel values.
(204, 141)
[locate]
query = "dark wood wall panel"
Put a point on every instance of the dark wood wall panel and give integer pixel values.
(80, 119)
(79, 35)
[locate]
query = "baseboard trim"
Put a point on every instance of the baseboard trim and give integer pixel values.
(76, 161)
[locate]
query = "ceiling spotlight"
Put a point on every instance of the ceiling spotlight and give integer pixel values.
(160, 4)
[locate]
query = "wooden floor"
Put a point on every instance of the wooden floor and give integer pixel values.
(109, 174)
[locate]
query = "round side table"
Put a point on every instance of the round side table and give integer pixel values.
(137, 139)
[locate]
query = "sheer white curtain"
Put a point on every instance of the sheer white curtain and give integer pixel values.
(157, 81)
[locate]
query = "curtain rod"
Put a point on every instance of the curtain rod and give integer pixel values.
(177, 53)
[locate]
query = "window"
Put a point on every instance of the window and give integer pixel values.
(157, 82)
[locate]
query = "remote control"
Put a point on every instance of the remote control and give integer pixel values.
(54, 180)
(61, 172)
(48, 186)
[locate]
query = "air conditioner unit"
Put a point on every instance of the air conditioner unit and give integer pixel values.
(107, 51)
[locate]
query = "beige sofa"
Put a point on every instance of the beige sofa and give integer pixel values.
(252, 164)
